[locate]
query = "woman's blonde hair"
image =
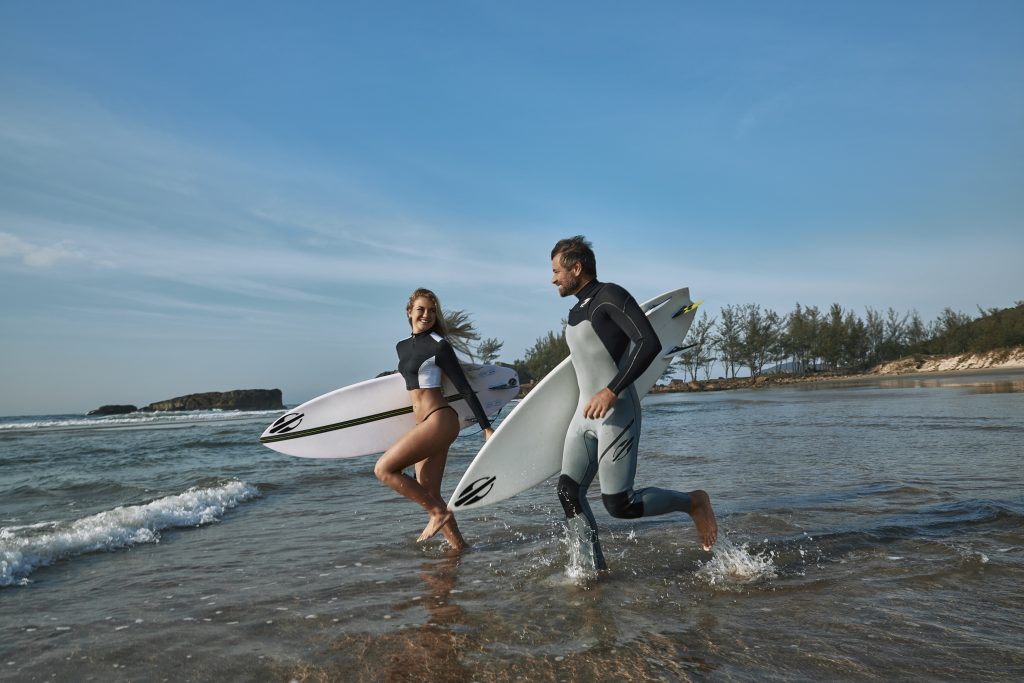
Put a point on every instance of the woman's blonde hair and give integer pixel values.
(422, 292)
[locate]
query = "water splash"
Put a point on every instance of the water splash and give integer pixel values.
(733, 566)
(580, 567)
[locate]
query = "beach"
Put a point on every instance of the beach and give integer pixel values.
(869, 529)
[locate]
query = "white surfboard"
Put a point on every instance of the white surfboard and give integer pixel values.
(526, 447)
(366, 418)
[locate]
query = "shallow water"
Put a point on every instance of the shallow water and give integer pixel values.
(869, 529)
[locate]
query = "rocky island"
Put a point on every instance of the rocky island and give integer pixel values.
(238, 399)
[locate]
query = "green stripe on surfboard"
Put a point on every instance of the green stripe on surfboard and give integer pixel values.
(323, 429)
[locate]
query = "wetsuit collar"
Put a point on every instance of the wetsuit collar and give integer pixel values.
(588, 290)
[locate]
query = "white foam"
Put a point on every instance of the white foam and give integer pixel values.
(732, 566)
(24, 549)
(137, 420)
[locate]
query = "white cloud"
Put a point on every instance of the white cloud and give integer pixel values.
(38, 255)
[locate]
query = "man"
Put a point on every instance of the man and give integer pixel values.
(605, 430)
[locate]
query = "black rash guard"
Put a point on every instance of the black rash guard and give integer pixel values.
(421, 360)
(617, 319)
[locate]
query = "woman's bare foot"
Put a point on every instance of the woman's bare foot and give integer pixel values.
(704, 517)
(436, 523)
(454, 536)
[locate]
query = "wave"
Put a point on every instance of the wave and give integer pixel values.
(60, 422)
(23, 549)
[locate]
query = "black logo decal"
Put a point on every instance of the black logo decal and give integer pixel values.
(622, 450)
(287, 423)
(476, 491)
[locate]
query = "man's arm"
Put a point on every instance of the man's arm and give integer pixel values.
(625, 312)
(646, 346)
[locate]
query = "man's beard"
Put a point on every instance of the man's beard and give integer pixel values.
(570, 288)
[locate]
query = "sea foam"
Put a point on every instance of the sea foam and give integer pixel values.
(24, 549)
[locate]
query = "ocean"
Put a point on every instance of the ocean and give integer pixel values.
(869, 529)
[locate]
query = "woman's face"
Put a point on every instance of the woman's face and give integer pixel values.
(422, 315)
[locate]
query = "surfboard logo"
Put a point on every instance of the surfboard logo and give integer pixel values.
(512, 383)
(475, 492)
(688, 308)
(678, 349)
(286, 423)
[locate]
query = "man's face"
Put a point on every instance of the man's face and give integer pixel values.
(566, 279)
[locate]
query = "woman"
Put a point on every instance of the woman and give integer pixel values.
(422, 358)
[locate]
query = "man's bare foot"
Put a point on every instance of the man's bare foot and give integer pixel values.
(454, 536)
(436, 523)
(704, 517)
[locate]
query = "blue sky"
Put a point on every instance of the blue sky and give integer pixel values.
(202, 196)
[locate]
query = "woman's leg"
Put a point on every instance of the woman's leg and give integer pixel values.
(423, 442)
(429, 473)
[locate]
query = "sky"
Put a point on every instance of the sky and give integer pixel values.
(205, 196)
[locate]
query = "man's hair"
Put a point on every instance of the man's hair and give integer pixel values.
(573, 250)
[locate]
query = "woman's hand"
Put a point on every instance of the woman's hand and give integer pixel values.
(488, 433)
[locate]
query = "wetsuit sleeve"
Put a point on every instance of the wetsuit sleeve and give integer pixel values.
(646, 346)
(449, 365)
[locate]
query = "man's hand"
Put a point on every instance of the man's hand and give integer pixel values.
(488, 433)
(600, 403)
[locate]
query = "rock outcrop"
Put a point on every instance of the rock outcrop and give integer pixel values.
(239, 399)
(113, 410)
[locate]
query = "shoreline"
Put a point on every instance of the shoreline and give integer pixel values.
(1000, 360)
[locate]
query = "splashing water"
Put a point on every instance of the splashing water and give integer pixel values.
(731, 566)
(580, 566)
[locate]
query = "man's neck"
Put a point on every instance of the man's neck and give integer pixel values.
(583, 287)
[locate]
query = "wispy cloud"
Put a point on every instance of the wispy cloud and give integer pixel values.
(38, 255)
(144, 204)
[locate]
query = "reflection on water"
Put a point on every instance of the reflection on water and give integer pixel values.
(977, 387)
(982, 382)
(1006, 387)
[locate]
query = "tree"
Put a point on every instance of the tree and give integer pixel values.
(855, 343)
(487, 351)
(917, 334)
(800, 338)
(728, 339)
(894, 342)
(543, 356)
(874, 329)
(761, 342)
(949, 331)
(832, 337)
(700, 354)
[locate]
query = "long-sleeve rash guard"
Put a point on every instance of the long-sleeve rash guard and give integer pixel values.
(616, 319)
(421, 360)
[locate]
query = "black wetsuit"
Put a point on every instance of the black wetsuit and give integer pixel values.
(611, 343)
(421, 360)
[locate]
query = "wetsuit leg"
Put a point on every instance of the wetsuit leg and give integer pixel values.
(579, 466)
(618, 443)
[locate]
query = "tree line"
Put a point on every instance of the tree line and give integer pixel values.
(807, 339)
